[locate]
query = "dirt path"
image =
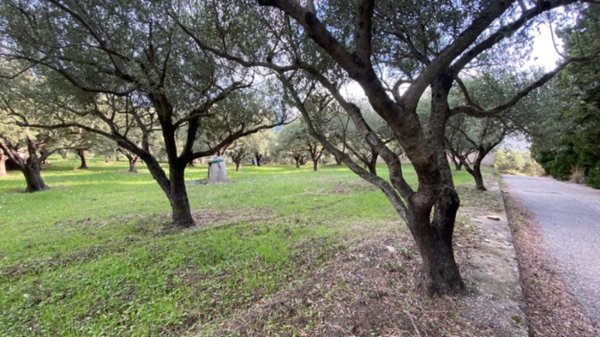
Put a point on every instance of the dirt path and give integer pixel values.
(569, 219)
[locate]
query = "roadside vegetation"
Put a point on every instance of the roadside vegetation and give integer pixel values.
(516, 162)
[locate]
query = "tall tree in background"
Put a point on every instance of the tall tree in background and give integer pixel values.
(134, 71)
(386, 46)
(574, 108)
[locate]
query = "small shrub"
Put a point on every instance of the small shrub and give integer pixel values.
(577, 175)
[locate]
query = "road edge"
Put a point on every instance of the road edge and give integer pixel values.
(550, 307)
(495, 269)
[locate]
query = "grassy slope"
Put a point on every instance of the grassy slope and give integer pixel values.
(89, 257)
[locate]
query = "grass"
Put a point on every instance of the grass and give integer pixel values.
(91, 257)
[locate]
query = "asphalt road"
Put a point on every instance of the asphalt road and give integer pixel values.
(569, 219)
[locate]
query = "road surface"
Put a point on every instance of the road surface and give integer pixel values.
(569, 219)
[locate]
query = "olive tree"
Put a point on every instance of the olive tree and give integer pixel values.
(127, 65)
(395, 51)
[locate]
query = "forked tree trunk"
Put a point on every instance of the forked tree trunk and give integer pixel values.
(33, 177)
(433, 234)
(439, 271)
(81, 154)
(475, 171)
(315, 164)
(174, 188)
(458, 166)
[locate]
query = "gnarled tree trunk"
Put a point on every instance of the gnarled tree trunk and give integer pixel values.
(81, 154)
(30, 167)
(33, 177)
(439, 271)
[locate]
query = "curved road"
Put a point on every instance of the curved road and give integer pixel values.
(569, 219)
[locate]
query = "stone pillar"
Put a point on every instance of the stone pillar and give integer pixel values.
(217, 172)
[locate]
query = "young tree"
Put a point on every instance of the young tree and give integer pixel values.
(259, 145)
(136, 71)
(238, 152)
(294, 141)
(386, 46)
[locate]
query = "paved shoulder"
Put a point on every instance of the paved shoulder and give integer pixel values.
(569, 219)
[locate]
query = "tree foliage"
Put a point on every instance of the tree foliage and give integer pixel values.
(126, 70)
(569, 138)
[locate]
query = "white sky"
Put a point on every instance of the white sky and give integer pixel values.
(544, 54)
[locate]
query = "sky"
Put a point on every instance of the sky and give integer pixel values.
(544, 53)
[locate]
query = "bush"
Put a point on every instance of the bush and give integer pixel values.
(594, 176)
(517, 162)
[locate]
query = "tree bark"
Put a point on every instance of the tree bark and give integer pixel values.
(476, 173)
(2, 163)
(439, 272)
(372, 166)
(33, 177)
(81, 154)
(180, 206)
(315, 165)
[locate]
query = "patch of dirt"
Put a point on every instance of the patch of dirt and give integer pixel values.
(366, 291)
(347, 188)
(551, 309)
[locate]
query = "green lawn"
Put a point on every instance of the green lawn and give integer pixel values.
(91, 256)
